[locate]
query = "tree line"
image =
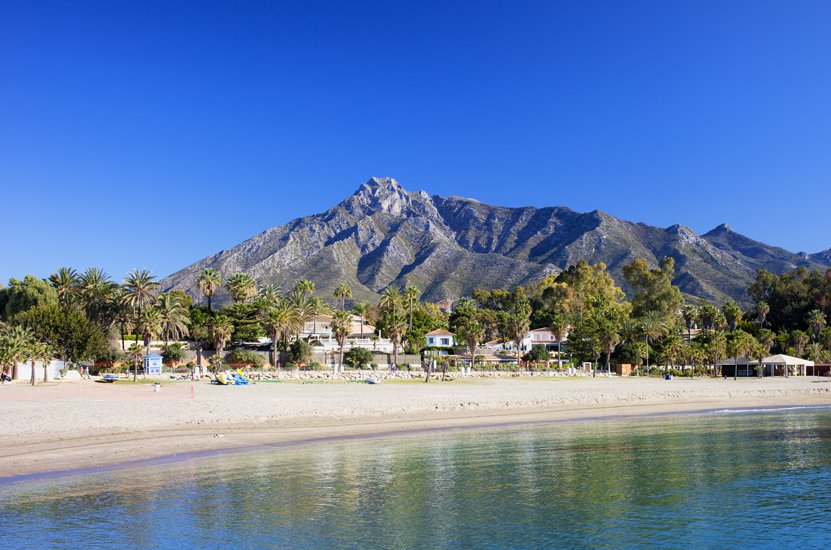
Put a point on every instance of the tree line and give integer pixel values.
(78, 316)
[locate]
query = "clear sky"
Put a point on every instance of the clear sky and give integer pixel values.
(144, 134)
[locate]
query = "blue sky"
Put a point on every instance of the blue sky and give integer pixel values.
(150, 135)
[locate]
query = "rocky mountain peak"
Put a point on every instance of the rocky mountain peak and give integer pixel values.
(384, 235)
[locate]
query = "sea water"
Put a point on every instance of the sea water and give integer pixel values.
(753, 479)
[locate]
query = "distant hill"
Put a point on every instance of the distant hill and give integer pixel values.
(384, 235)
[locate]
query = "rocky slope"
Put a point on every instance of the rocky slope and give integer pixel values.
(385, 235)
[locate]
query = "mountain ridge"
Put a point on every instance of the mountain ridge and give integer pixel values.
(384, 235)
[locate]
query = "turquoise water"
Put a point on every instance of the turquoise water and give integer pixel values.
(756, 479)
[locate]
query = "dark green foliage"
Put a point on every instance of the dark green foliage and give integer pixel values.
(246, 320)
(538, 353)
(23, 295)
(174, 354)
(358, 358)
(299, 351)
(246, 357)
(68, 330)
(654, 291)
(791, 296)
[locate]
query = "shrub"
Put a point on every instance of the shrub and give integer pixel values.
(358, 358)
(174, 354)
(245, 357)
(300, 351)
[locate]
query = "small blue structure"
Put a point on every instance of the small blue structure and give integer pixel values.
(153, 364)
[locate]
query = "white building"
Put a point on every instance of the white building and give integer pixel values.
(440, 338)
(535, 337)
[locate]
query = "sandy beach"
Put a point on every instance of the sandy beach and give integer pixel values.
(83, 424)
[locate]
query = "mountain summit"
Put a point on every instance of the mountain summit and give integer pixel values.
(384, 235)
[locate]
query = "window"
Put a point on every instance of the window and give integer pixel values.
(445, 341)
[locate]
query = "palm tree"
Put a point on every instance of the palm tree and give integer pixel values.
(139, 290)
(816, 352)
(305, 286)
(472, 334)
(766, 340)
(396, 327)
(66, 284)
(715, 349)
(342, 292)
(390, 300)
(732, 314)
(651, 327)
(762, 310)
(271, 294)
(125, 318)
(689, 314)
(411, 295)
(314, 307)
(741, 344)
(41, 351)
(518, 324)
(279, 321)
(99, 295)
(362, 309)
(672, 348)
(559, 328)
(241, 286)
(17, 342)
(221, 330)
(799, 340)
(609, 339)
(209, 281)
(816, 322)
(174, 317)
(341, 328)
(149, 326)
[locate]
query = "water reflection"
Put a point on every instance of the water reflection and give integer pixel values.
(703, 481)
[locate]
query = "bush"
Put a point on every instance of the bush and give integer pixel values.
(245, 357)
(358, 358)
(174, 354)
(537, 353)
(300, 351)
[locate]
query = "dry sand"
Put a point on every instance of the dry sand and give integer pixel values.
(69, 425)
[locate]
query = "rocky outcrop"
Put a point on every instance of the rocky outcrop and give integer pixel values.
(384, 235)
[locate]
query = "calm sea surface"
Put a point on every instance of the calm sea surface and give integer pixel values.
(719, 480)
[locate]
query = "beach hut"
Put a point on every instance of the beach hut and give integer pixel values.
(784, 365)
(773, 365)
(153, 364)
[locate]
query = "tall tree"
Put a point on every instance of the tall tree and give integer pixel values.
(740, 344)
(472, 333)
(209, 281)
(654, 291)
(361, 309)
(411, 294)
(559, 328)
(762, 310)
(732, 314)
(342, 292)
(221, 330)
(816, 322)
(689, 314)
(305, 286)
(652, 327)
(66, 283)
(174, 317)
(341, 328)
(139, 290)
(241, 286)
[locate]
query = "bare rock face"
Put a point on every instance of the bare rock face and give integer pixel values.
(384, 235)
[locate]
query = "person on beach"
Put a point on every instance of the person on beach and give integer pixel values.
(5, 376)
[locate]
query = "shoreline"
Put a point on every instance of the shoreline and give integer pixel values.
(307, 415)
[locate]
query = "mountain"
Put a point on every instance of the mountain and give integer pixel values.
(385, 235)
